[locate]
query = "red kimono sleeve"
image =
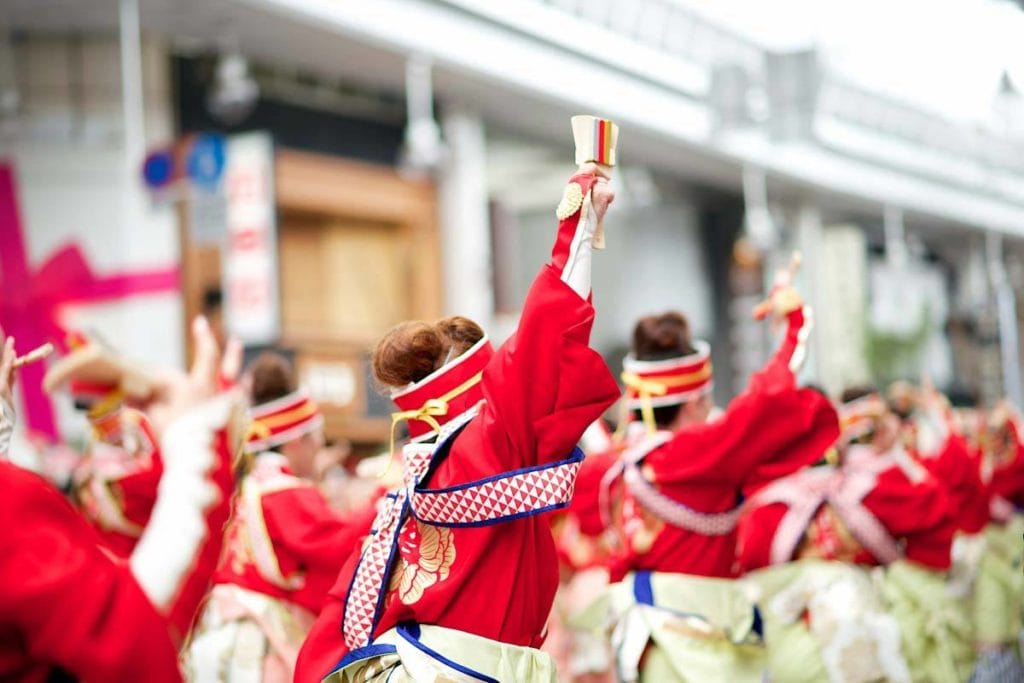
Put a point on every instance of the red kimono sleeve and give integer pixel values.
(545, 385)
(957, 471)
(769, 431)
(586, 500)
(309, 536)
(63, 602)
(302, 523)
(916, 513)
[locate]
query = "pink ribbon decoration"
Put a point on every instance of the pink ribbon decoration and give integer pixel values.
(31, 302)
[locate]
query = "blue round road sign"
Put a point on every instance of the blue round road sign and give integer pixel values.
(158, 168)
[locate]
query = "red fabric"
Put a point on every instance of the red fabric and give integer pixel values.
(756, 531)
(64, 602)
(917, 513)
(543, 388)
(567, 228)
(579, 529)
(137, 494)
(586, 501)
(959, 473)
(770, 430)
(135, 490)
(308, 537)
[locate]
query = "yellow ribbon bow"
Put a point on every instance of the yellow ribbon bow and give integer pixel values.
(432, 408)
(645, 389)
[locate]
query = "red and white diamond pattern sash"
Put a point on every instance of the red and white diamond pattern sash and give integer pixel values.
(491, 501)
(511, 495)
(361, 604)
(667, 509)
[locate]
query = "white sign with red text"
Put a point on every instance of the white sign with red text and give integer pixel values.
(252, 309)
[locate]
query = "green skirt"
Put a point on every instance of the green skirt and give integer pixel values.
(999, 588)
(825, 621)
(935, 631)
(685, 629)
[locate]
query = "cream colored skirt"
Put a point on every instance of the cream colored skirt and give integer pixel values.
(245, 637)
(429, 654)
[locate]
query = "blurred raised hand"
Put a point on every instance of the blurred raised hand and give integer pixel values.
(211, 372)
(783, 297)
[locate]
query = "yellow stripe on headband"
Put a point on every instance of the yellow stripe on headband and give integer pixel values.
(300, 412)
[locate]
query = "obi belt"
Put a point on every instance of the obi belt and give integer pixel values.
(502, 498)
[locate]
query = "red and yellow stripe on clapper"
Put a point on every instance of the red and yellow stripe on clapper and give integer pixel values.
(595, 138)
(603, 150)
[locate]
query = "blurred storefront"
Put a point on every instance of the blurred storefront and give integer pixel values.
(350, 247)
(418, 149)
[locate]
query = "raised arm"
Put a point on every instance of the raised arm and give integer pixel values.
(784, 303)
(200, 433)
(545, 385)
(770, 430)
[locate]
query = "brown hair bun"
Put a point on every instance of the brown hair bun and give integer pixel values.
(657, 337)
(412, 350)
(272, 378)
(408, 352)
(460, 334)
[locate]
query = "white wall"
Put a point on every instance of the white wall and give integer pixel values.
(654, 262)
(75, 185)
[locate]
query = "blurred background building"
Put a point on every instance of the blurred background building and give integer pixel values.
(310, 172)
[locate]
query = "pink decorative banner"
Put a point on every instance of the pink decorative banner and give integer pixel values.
(31, 301)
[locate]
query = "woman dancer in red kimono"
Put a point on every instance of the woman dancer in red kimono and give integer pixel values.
(932, 437)
(679, 614)
(115, 483)
(998, 603)
(808, 538)
(284, 545)
(459, 574)
(67, 607)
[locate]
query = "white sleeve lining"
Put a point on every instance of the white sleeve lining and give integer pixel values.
(177, 528)
(796, 361)
(576, 273)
